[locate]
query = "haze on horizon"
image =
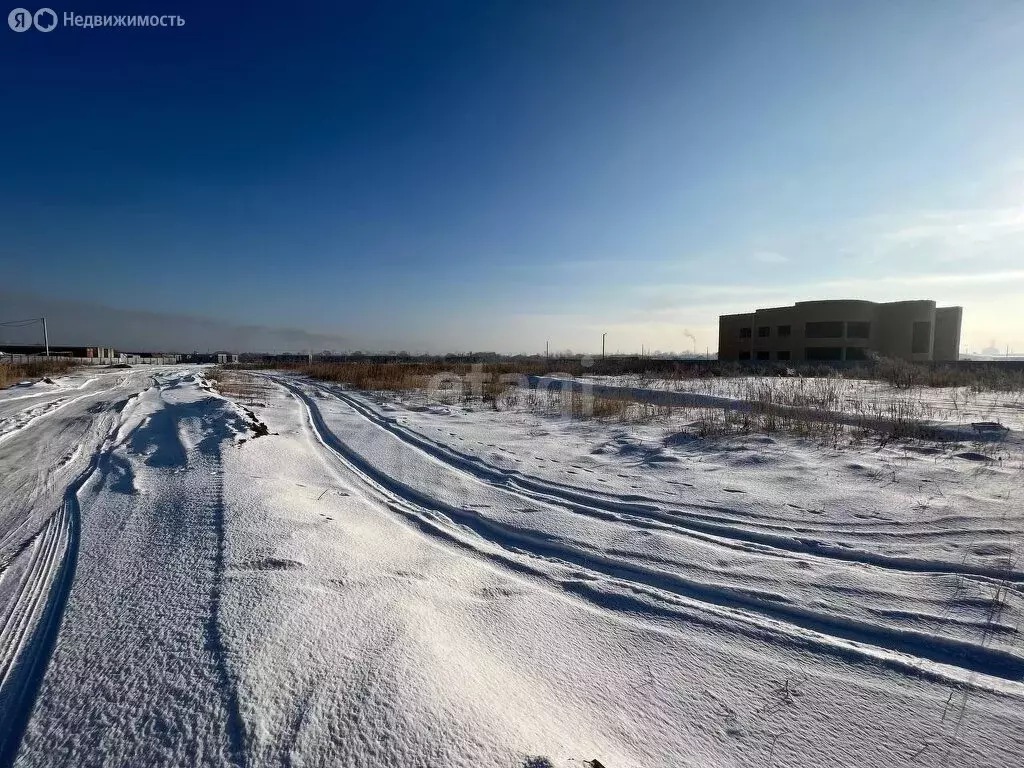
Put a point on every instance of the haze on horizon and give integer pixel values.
(494, 176)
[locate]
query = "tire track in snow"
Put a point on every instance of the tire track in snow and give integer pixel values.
(35, 413)
(908, 649)
(56, 391)
(24, 718)
(234, 727)
(30, 629)
(204, 459)
(12, 425)
(589, 503)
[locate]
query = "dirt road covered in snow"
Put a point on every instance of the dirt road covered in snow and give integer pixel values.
(364, 587)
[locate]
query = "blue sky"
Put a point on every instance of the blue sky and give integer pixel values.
(439, 176)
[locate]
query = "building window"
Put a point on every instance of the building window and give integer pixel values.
(745, 355)
(826, 330)
(744, 333)
(784, 331)
(858, 330)
(764, 331)
(856, 353)
(824, 353)
(764, 355)
(783, 354)
(921, 343)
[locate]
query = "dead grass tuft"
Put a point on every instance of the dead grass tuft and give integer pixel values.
(13, 373)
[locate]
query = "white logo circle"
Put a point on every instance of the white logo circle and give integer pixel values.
(20, 20)
(52, 19)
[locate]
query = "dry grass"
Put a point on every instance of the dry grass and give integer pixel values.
(826, 411)
(243, 387)
(12, 374)
(404, 376)
(904, 375)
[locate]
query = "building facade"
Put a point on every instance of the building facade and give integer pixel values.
(828, 331)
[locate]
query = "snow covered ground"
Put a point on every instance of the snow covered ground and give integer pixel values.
(389, 581)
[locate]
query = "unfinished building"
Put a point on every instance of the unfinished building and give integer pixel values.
(838, 330)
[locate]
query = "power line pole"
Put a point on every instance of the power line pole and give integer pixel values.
(25, 323)
(602, 345)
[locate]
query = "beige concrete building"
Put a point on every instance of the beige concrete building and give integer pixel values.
(816, 331)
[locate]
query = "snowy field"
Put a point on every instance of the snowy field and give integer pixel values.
(390, 581)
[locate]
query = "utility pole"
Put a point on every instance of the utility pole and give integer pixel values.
(602, 345)
(28, 322)
(546, 353)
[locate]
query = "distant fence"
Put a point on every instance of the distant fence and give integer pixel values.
(129, 359)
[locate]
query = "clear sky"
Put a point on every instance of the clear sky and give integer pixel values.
(494, 175)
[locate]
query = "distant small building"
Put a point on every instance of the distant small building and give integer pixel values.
(222, 358)
(829, 331)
